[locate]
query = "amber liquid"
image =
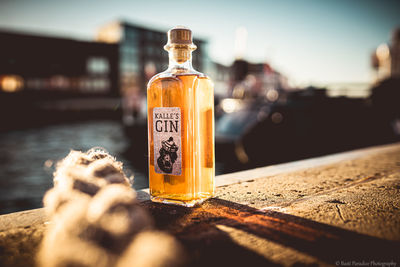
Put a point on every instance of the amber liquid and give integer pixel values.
(194, 95)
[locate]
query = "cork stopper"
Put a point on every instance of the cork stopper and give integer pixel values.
(180, 37)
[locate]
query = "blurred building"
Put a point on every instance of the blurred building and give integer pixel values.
(395, 53)
(119, 63)
(256, 80)
(386, 59)
(221, 76)
(40, 63)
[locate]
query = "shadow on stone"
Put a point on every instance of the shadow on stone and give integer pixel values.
(199, 231)
(205, 244)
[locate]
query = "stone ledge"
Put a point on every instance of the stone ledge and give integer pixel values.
(242, 176)
(337, 208)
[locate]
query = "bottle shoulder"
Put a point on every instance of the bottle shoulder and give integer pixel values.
(174, 75)
(159, 77)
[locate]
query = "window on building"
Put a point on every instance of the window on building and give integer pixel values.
(149, 49)
(131, 35)
(129, 51)
(149, 35)
(98, 65)
(129, 64)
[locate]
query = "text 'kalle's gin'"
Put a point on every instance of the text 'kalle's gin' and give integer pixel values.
(180, 105)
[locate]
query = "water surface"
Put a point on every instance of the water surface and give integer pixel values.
(28, 157)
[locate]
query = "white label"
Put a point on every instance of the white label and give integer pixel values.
(167, 140)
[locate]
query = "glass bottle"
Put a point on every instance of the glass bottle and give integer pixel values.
(180, 104)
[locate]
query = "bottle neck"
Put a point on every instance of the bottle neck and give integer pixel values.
(180, 59)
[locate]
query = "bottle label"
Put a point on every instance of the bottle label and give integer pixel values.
(167, 140)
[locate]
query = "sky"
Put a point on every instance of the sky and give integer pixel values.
(310, 41)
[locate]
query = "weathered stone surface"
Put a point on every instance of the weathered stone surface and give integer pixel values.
(360, 195)
(346, 213)
(20, 236)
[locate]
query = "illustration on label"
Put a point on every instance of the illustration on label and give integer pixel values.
(167, 140)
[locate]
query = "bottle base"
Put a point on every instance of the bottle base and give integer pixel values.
(185, 203)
